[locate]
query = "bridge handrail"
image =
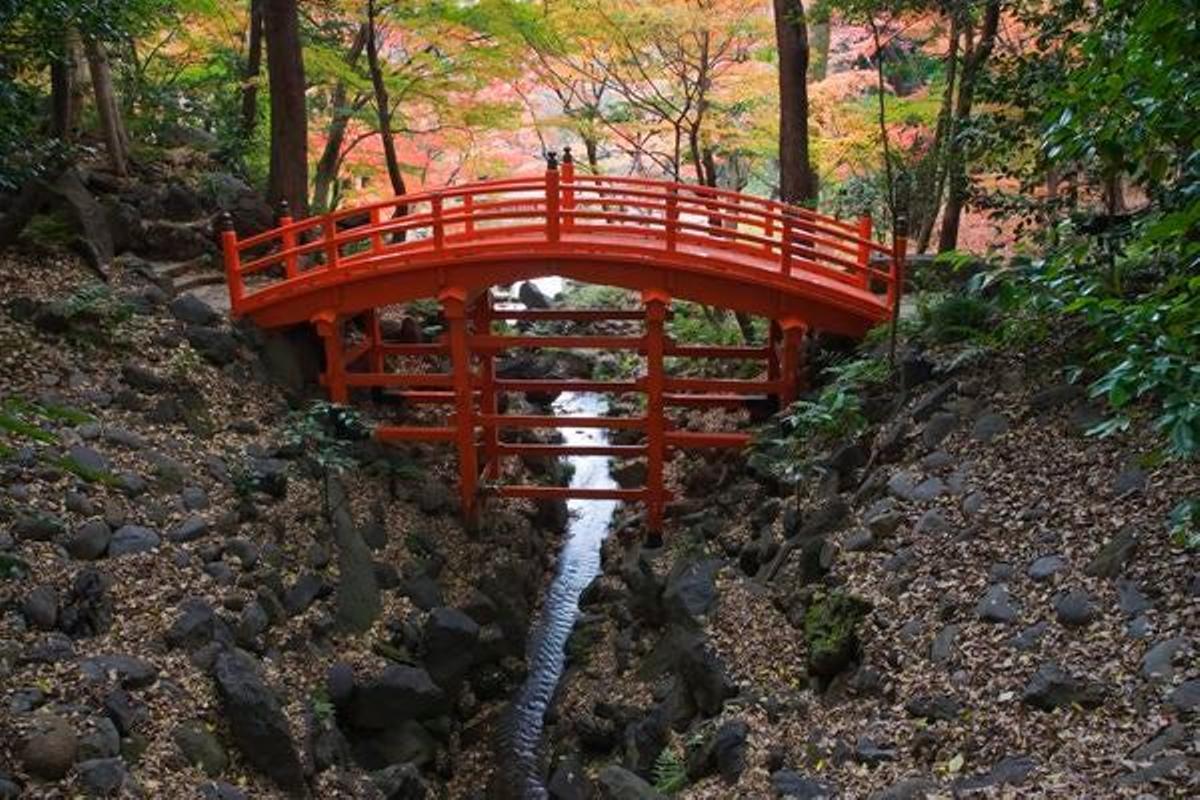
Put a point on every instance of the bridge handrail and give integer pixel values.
(790, 239)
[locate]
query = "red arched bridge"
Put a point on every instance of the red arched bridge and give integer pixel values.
(799, 269)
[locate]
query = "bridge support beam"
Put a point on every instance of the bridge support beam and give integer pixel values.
(454, 309)
(656, 303)
(330, 327)
(791, 360)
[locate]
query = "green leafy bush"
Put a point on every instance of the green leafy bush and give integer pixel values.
(958, 318)
(670, 773)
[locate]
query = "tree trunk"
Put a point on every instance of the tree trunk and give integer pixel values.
(929, 196)
(330, 161)
(383, 105)
(819, 36)
(289, 116)
(107, 107)
(250, 76)
(797, 183)
(973, 63)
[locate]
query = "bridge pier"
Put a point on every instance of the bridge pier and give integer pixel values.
(330, 328)
(454, 309)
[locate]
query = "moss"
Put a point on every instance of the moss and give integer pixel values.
(84, 472)
(831, 632)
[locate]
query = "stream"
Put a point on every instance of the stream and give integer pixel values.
(578, 564)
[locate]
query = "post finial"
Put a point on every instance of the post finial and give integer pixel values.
(901, 225)
(552, 160)
(225, 222)
(568, 158)
(284, 209)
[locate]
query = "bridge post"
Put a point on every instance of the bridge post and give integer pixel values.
(291, 263)
(792, 362)
(672, 221)
(454, 300)
(568, 195)
(488, 405)
(655, 303)
(233, 261)
(329, 327)
(552, 198)
(789, 239)
(376, 237)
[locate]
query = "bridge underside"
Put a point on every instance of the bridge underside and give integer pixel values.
(359, 357)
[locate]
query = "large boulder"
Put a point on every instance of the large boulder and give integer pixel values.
(831, 633)
(449, 646)
(50, 750)
(256, 721)
(398, 693)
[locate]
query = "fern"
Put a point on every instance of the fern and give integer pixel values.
(670, 774)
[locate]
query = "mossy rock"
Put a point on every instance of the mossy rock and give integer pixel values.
(831, 632)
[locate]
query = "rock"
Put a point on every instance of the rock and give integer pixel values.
(1046, 567)
(40, 607)
(942, 650)
(931, 523)
(617, 783)
(996, 605)
(1156, 772)
(1112, 558)
(103, 740)
(424, 591)
(130, 539)
(251, 625)
(124, 438)
(189, 530)
(1052, 687)
(859, 541)
(989, 426)
(629, 474)
(193, 498)
(725, 753)
(1008, 771)
(790, 785)
(1169, 737)
(307, 588)
(691, 591)
(49, 752)
(201, 748)
(1130, 599)
(130, 672)
(934, 707)
(907, 487)
(1157, 663)
(219, 790)
(434, 497)
(256, 721)
(126, 712)
(907, 789)
(90, 541)
(357, 596)
(401, 782)
(830, 632)
(531, 296)
(102, 777)
(866, 751)
(939, 426)
(37, 526)
(933, 400)
(1131, 480)
(88, 609)
(449, 646)
(399, 692)
(216, 346)
(1056, 397)
(569, 780)
(144, 379)
(162, 240)
(195, 627)
(131, 483)
(1030, 637)
(192, 310)
(1185, 698)
(1075, 609)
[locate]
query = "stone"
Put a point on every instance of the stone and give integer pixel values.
(859, 541)
(933, 400)
(531, 296)
(1185, 698)
(1046, 567)
(88, 608)
(303, 593)
(1131, 480)
(50, 751)
(906, 789)
(256, 721)
(357, 601)
(37, 526)
(424, 591)
(251, 625)
(102, 777)
(1052, 687)
(144, 379)
(194, 498)
(1158, 662)
(127, 713)
(102, 740)
(201, 748)
(939, 426)
(569, 780)
(448, 643)
(907, 487)
(942, 650)
(90, 541)
(1030, 637)
(1008, 771)
(195, 627)
(434, 497)
(130, 672)
(1075, 608)
(618, 783)
(691, 591)
(130, 539)
(131, 483)
(1113, 557)
(124, 438)
(399, 692)
(191, 309)
(931, 523)
(934, 707)
(1056, 397)
(401, 782)
(830, 631)
(219, 790)
(791, 785)
(884, 523)
(216, 346)
(725, 753)
(1169, 737)
(989, 426)
(1130, 599)
(996, 605)
(189, 530)
(866, 751)
(40, 607)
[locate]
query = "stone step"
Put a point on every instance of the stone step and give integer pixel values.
(197, 281)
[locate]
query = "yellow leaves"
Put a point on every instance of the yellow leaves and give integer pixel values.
(955, 765)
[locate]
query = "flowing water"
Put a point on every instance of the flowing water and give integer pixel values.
(578, 564)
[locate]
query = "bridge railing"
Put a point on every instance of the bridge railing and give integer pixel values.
(678, 220)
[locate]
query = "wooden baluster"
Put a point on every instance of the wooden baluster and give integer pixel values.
(233, 262)
(672, 222)
(568, 179)
(376, 236)
(552, 198)
(789, 238)
(864, 249)
(468, 214)
(329, 232)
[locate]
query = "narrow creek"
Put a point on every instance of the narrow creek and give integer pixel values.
(578, 564)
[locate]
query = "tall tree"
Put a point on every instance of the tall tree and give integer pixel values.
(797, 181)
(383, 104)
(289, 116)
(250, 77)
(107, 107)
(975, 55)
(325, 181)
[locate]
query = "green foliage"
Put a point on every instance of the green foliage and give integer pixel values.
(1184, 524)
(325, 432)
(957, 318)
(322, 707)
(12, 567)
(670, 773)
